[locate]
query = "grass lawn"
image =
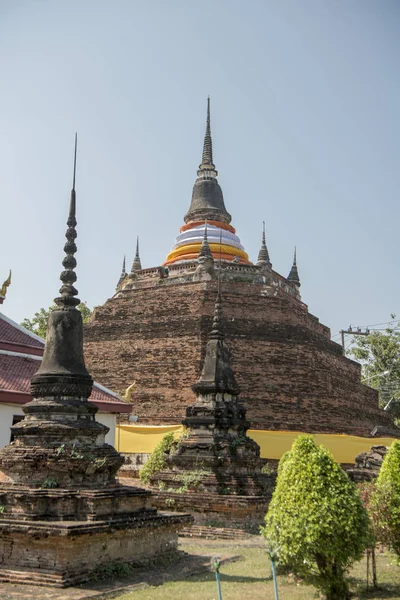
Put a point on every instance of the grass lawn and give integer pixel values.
(250, 578)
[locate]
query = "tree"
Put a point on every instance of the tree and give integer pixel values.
(316, 519)
(38, 323)
(379, 354)
(387, 498)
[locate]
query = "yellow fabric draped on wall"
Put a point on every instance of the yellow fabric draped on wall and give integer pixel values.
(143, 439)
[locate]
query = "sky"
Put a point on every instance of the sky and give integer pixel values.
(305, 98)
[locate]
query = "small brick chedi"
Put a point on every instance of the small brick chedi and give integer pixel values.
(63, 514)
(151, 336)
(216, 458)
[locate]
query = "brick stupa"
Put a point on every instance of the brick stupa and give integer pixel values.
(63, 513)
(153, 332)
(216, 461)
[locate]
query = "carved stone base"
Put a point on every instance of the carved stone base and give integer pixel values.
(67, 553)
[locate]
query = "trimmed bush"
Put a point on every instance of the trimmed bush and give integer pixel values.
(316, 520)
(387, 499)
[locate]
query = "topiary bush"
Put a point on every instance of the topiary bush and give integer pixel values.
(316, 520)
(387, 499)
(157, 460)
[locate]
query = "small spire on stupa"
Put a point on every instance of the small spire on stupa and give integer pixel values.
(205, 253)
(136, 265)
(123, 273)
(67, 300)
(217, 332)
(217, 375)
(293, 276)
(263, 256)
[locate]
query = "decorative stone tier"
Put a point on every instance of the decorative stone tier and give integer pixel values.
(24, 504)
(67, 553)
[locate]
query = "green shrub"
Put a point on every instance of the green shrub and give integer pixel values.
(157, 460)
(387, 499)
(316, 521)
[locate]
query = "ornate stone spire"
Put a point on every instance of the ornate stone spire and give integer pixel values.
(263, 256)
(63, 372)
(205, 254)
(136, 265)
(293, 276)
(68, 276)
(207, 198)
(123, 273)
(207, 158)
(217, 375)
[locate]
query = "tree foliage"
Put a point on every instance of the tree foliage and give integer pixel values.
(387, 498)
(38, 323)
(379, 352)
(316, 519)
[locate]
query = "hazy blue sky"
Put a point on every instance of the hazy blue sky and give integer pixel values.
(305, 103)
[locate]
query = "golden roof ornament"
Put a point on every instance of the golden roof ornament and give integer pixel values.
(3, 289)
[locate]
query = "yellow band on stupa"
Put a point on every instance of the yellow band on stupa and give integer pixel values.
(228, 257)
(215, 249)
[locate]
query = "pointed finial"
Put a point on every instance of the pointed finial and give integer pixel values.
(123, 274)
(217, 331)
(76, 145)
(293, 276)
(207, 158)
(68, 292)
(136, 265)
(205, 254)
(263, 256)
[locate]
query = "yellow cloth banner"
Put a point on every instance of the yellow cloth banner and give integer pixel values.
(143, 439)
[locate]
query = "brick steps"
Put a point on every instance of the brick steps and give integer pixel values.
(213, 533)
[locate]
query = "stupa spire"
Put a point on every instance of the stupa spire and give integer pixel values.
(207, 198)
(68, 276)
(123, 273)
(62, 372)
(293, 276)
(136, 265)
(263, 256)
(217, 375)
(207, 158)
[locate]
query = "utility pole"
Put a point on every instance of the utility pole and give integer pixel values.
(351, 331)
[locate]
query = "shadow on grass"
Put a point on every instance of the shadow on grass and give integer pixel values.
(385, 590)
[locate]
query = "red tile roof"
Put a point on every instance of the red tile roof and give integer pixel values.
(11, 332)
(18, 364)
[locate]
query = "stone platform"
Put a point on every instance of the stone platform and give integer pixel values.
(64, 553)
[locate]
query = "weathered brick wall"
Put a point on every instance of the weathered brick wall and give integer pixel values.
(291, 375)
